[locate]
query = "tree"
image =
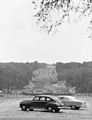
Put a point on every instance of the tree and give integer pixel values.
(14, 76)
(8, 76)
(52, 13)
(76, 75)
(1, 78)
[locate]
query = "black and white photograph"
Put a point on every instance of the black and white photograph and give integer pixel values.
(45, 59)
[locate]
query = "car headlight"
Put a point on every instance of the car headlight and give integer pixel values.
(84, 104)
(62, 104)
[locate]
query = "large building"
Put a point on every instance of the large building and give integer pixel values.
(43, 77)
(42, 80)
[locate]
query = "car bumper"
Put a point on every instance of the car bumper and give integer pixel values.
(84, 105)
(59, 107)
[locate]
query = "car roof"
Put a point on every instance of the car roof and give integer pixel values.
(66, 96)
(50, 96)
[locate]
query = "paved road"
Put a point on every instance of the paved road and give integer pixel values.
(9, 110)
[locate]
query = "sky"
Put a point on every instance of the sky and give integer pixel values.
(22, 41)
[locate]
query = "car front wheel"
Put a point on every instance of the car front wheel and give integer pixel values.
(23, 107)
(49, 109)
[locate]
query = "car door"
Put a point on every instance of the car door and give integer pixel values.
(65, 101)
(35, 102)
(42, 102)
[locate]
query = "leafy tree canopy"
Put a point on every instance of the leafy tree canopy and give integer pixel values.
(52, 13)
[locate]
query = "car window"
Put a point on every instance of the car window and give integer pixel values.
(48, 99)
(36, 98)
(42, 99)
(64, 98)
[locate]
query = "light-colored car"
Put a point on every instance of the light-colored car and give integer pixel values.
(72, 102)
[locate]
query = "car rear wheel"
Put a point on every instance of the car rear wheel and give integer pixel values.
(30, 109)
(74, 107)
(77, 108)
(49, 109)
(23, 107)
(57, 110)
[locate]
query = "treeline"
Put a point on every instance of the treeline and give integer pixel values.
(78, 75)
(14, 76)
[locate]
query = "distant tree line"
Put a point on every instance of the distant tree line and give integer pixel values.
(78, 75)
(14, 76)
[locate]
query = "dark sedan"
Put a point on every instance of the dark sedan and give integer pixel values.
(46, 102)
